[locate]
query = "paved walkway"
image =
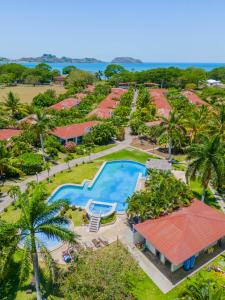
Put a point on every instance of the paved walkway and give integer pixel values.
(147, 266)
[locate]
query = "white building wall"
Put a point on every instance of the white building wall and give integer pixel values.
(150, 247)
(137, 238)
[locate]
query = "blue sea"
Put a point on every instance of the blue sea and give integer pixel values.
(94, 67)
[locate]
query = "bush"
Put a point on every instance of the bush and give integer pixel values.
(70, 146)
(120, 134)
(29, 163)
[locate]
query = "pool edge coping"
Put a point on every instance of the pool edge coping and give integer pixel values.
(92, 181)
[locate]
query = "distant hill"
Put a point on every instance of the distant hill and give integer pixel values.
(4, 59)
(49, 58)
(126, 60)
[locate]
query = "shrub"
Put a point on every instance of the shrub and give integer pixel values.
(29, 163)
(70, 146)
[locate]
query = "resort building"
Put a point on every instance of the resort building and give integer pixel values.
(105, 109)
(7, 134)
(66, 104)
(74, 132)
(193, 98)
(162, 105)
(213, 82)
(59, 80)
(180, 238)
(30, 120)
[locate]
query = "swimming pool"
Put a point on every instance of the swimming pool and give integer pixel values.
(113, 184)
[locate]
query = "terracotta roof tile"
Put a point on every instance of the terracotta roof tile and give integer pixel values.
(74, 130)
(161, 103)
(193, 98)
(6, 134)
(185, 232)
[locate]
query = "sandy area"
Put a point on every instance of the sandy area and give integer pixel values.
(27, 92)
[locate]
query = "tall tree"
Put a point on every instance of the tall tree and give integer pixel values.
(207, 161)
(37, 216)
(172, 129)
(42, 126)
(217, 124)
(12, 104)
(5, 165)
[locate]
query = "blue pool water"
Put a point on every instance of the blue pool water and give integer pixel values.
(115, 183)
(97, 208)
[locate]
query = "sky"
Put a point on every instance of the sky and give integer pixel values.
(153, 31)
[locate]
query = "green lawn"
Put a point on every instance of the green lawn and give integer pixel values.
(75, 175)
(76, 216)
(11, 214)
(128, 154)
(197, 191)
(96, 149)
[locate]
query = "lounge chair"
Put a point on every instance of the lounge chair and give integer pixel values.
(104, 241)
(96, 243)
(89, 245)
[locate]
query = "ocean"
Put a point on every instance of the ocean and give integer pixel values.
(94, 67)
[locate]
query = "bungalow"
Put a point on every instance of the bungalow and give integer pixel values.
(74, 132)
(8, 133)
(213, 82)
(66, 104)
(105, 109)
(193, 98)
(162, 105)
(59, 80)
(179, 238)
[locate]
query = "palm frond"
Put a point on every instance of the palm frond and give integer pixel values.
(25, 261)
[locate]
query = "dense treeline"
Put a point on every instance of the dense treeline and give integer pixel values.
(12, 74)
(165, 77)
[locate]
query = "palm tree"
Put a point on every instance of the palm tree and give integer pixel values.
(12, 104)
(196, 122)
(207, 161)
(202, 289)
(42, 127)
(172, 129)
(218, 122)
(14, 192)
(5, 165)
(67, 159)
(37, 216)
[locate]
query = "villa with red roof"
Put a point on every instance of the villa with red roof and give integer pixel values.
(8, 133)
(66, 104)
(73, 101)
(162, 105)
(179, 238)
(193, 98)
(105, 109)
(74, 132)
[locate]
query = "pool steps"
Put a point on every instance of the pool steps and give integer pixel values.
(94, 224)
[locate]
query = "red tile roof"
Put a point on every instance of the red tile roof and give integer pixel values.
(153, 123)
(74, 130)
(6, 134)
(66, 103)
(90, 88)
(185, 232)
(105, 108)
(161, 103)
(193, 98)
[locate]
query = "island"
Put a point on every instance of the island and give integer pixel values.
(126, 60)
(50, 58)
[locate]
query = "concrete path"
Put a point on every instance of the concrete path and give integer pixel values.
(147, 266)
(219, 199)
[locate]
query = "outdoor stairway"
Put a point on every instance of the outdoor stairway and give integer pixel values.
(94, 224)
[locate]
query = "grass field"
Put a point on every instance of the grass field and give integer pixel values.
(27, 92)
